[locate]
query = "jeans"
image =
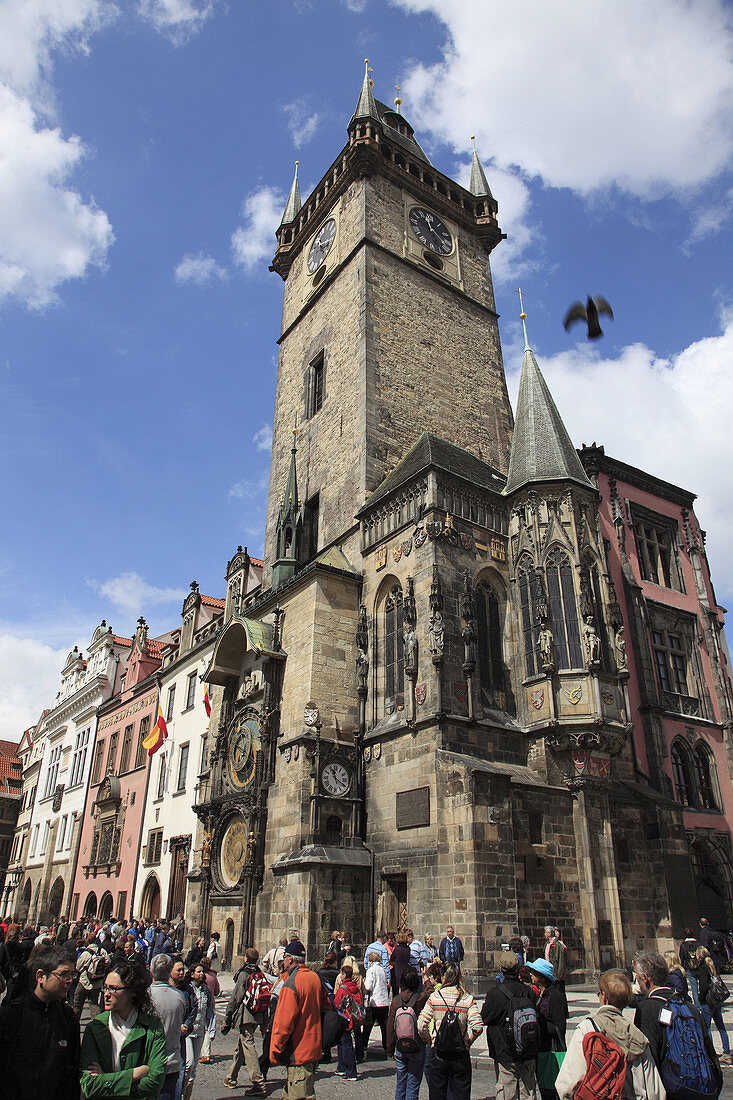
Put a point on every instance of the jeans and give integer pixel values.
(450, 1073)
(375, 1015)
(346, 1059)
(709, 1014)
(409, 1075)
(168, 1092)
(692, 983)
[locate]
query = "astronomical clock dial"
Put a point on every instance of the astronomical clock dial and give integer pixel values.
(430, 231)
(335, 778)
(244, 747)
(321, 244)
(232, 852)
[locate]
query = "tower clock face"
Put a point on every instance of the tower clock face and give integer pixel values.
(335, 778)
(321, 245)
(430, 231)
(232, 852)
(244, 747)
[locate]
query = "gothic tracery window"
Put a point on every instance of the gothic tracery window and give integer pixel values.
(706, 775)
(527, 577)
(489, 639)
(394, 665)
(563, 610)
(592, 582)
(682, 774)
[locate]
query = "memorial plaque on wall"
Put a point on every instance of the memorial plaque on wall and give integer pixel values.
(413, 808)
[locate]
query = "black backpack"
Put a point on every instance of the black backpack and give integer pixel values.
(521, 1027)
(449, 1039)
(717, 943)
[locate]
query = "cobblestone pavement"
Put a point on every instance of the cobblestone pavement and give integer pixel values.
(376, 1074)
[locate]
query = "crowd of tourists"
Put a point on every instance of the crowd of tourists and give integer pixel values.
(149, 1015)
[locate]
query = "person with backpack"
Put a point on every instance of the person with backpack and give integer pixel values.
(204, 1004)
(714, 941)
(706, 973)
(213, 953)
(677, 978)
(91, 966)
(512, 1031)
(348, 1001)
(297, 1033)
(677, 1034)
(403, 1041)
(376, 984)
(688, 947)
(456, 1025)
(248, 1007)
(607, 1055)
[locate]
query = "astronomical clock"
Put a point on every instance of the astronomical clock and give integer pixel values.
(234, 842)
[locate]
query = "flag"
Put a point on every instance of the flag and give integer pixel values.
(157, 735)
(207, 701)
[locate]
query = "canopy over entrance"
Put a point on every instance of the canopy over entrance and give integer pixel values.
(238, 636)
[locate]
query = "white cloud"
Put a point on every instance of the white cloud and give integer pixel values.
(254, 242)
(48, 232)
(178, 19)
(131, 595)
(30, 677)
(263, 438)
(670, 417)
(198, 269)
(301, 123)
(249, 487)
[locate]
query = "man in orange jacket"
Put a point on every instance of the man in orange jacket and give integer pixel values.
(296, 1039)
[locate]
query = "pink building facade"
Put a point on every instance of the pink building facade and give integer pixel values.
(679, 686)
(110, 845)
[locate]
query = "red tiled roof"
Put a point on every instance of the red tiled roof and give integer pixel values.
(9, 748)
(155, 649)
(121, 641)
(256, 561)
(9, 768)
(211, 601)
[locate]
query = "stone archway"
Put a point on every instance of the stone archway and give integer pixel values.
(25, 901)
(55, 898)
(105, 907)
(150, 899)
(712, 883)
(90, 905)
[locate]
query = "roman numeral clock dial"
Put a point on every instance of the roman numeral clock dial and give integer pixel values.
(335, 778)
(430, 231)
(321, 244)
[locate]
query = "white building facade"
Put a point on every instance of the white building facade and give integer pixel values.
(56, 765)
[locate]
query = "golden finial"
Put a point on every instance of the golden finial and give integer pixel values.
(523, 318)
(371, 82)
(398, 101)
(473, 139)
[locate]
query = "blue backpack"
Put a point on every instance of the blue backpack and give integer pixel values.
(686, 1071)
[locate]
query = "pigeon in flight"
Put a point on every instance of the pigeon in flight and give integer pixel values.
(589, 313)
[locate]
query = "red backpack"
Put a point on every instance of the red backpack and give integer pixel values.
(605, 1068)
(257, 997)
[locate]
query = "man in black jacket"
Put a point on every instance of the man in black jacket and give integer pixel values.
(39, 1035)
(651, 972)
(515, 1080)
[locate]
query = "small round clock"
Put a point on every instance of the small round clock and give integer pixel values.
(430, 231)
(335, 778)
(243, 749)
(321, 244)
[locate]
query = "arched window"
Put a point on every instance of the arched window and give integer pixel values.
(394, 661)
(592, 580)
(563, 611)
(334, 826)
(706, 775)
(488, 631)
(527, 577)
(684, 788)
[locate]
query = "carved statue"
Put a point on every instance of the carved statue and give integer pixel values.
(620, 647)
(362, 669)
(547, 646)
(248, 688)
(206, 850)
(469, 644)
(436, 632)
(410, 644)
(251, 850)
(592, 642)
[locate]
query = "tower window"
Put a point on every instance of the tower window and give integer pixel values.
(317, 378)
(671, 661)
(527, 593)
(682, 774)
(394, 662)
(490, 660)
(706, 775)
(310, 527)
(656, 544)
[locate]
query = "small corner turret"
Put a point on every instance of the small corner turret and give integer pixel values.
(289, 534)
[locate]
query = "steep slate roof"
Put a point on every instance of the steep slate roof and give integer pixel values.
(292, 207)
(430, 450)
(479, 185)
(541, 447)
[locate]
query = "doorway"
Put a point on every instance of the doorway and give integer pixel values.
(180, 848)
(150, 900)
(392, 915)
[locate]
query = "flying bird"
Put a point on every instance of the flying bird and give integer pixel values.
(589, 313)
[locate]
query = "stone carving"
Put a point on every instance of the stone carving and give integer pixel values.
(619, 645)
(411, 649)
(592, 643)
(206, 849)
(362, 670)
(362, 643)
(436, 625)
(547, 647)
(468, 634)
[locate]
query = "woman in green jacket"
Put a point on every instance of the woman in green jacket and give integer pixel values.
(123, 1053)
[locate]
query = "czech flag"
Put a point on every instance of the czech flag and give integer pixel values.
(157, 735)
(207, 701)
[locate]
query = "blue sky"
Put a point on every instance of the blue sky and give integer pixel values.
(146, 149)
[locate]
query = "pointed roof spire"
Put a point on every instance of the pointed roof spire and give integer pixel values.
(479, 185)
(366, 107)
(541, 447)
(292, 207)
(290, 500)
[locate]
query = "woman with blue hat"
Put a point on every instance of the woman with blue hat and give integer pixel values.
(552, 1017)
